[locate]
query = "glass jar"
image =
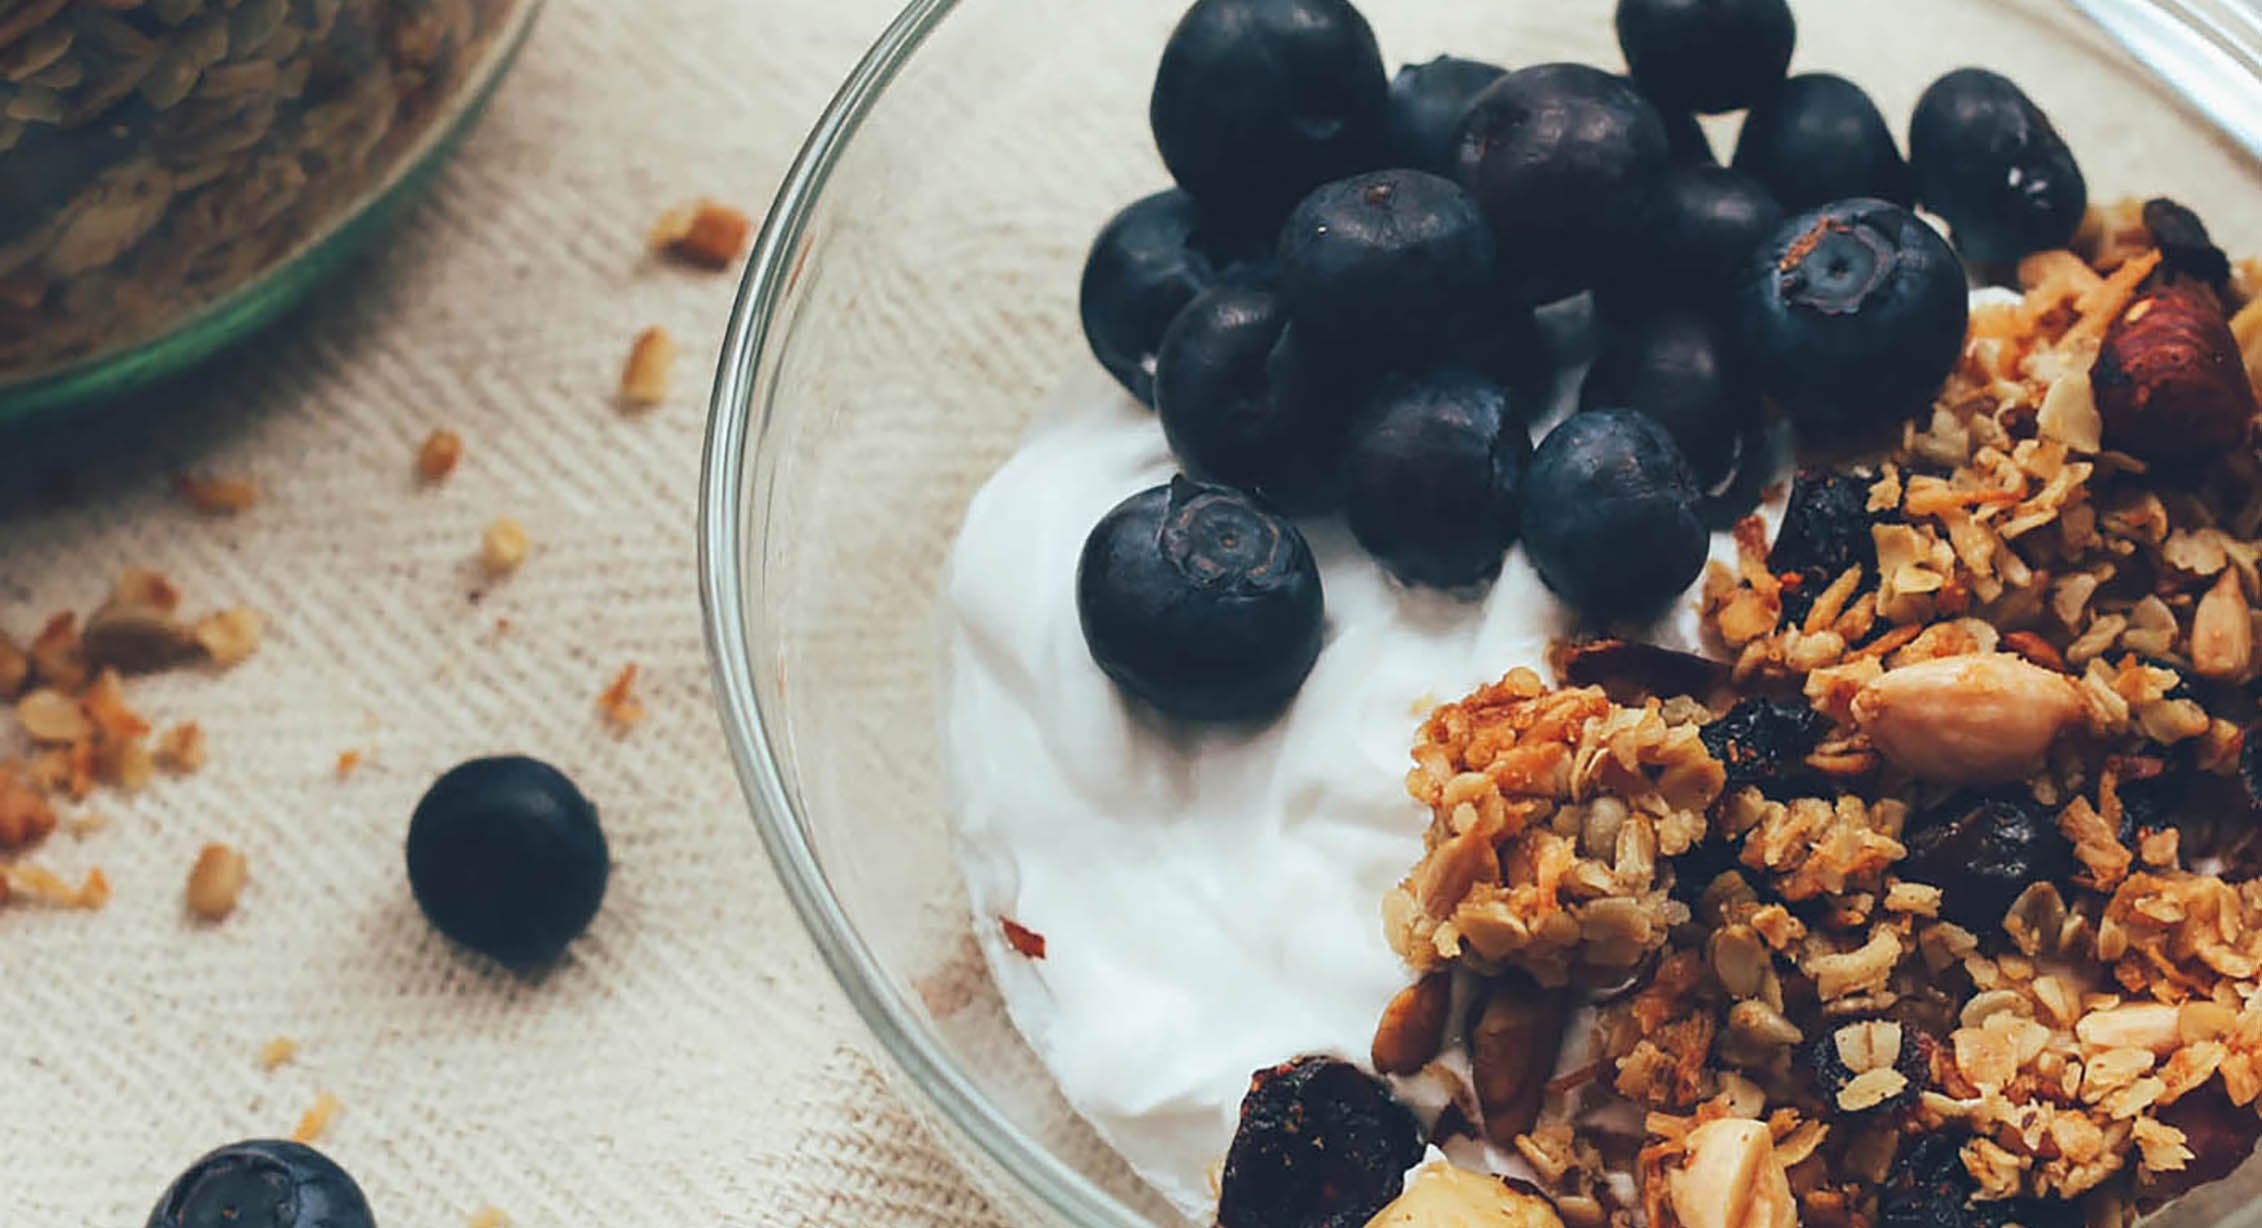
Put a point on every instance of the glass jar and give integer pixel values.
(173, 173)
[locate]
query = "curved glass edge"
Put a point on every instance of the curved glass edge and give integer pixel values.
(250, 308)
(729, 584)
(2209, 51)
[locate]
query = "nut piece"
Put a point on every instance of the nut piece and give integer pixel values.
(644, 380)
(2222, 631)
(2170, 380)
(1732, 1179)
(53, 718)
(180, 750)
(437, 459)
(1513, 1044)
(215, 881)
(229, 637)
(134, 630)
(1438, 1195)
(503, 547)
(1412, 1030)
(217, 496)
(706, 233)
(1982, 718)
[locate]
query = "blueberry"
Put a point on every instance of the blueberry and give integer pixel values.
(1610, 515)
(1427, 102)
(1854, 315)
(1201, 602)
(263, 1184)
(505, 857)
(1495, 336)
(1248, 400)
(1981, 851)
(1432, 473)
(1257, 102)
(1144, 267)
(1680, 370)
(1695, 236)
(1321, 1144)
(1821, 140)
(1685, 141)
(1986, 159)
(1560, 157)
(1707, 55)
(1383, 257)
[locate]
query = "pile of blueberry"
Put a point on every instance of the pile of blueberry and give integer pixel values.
(1333, 311)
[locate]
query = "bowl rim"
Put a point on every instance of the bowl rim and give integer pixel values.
(2201, 49)
(734, 422)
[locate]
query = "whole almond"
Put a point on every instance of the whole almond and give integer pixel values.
(1982, 718)
(2169, 378)
(1412, 1030)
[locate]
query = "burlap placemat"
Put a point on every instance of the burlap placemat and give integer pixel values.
(690, 1063)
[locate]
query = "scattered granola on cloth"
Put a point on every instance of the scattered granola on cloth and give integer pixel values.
(1944, 909)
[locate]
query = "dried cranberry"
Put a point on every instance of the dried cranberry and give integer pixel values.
(1321, 1145)
(1981, 851)
(2185, 248)
(1826, 529)
(1765, 742)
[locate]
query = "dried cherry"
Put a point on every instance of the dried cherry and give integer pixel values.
(1765, 742)
(1826, 529)
(1322, 1144)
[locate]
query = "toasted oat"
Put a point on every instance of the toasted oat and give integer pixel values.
(437, 458)
(644, 377)
(181, 749)
(277, 1053)
(503, 547)
(704, 233)
(217, 496)
(215, 882)
(229, 637)
(318, 1118)
(621, 708)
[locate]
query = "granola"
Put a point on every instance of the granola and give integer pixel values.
(1952, 886)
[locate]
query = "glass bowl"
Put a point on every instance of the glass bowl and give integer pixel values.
(175, 173)
(913, 299)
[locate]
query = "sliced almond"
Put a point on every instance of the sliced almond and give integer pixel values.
(53, 718)
(2222, 631)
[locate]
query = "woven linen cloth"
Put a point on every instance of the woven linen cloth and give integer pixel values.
(690, 1062)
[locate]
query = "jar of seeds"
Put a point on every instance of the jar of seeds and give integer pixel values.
(174, 172)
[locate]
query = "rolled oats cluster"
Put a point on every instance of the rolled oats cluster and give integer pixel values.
(157, 154)
(1937, 904)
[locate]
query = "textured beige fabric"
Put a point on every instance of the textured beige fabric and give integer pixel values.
(690, 1063)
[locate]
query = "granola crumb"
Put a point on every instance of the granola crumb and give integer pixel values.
(644, 378)
(43, 886)
(230, 636)
(215, 882)
(349, 762)
(277, 1053)
(317, 1119)
(704, 233)
(442, 451)
(487, 1217)
(503, 547)
(1028, 942)
(619, 704)
(181, 749)
(217, 496)
(15, 668)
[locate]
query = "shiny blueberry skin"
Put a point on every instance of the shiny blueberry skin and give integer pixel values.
(1611, 515)
(1384, 257)
(1201, 602)
(1250, 401)
(263, 1183)
(1257, 102)
(1432, 473)
(1987, 159)
(505, 856)
(1683, 371)
(1144, 267)
(1822, 140)
(1427, 102)
(1707, 55)
(1853, 315)
(1695, 237)
(1560, 157)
